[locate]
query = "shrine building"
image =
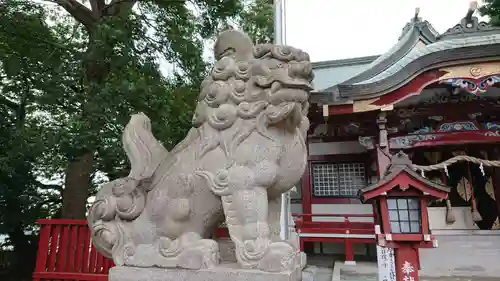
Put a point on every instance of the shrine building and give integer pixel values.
(436, 97)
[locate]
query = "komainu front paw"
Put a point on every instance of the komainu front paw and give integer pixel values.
(202, 254)
(279, 257)
(188, 251)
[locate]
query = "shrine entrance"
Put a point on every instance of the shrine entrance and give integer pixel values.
(474, 186)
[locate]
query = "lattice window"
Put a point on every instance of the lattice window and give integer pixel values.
(404, 215)
(339, 179)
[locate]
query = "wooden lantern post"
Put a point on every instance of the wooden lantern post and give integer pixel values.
(402, 196)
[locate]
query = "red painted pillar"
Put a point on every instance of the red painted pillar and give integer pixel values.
(349, 250)
(406, 258)
(306, 192)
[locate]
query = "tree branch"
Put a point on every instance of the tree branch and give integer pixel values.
(50, 186)
(117, 7)
(81, 13)
(97, 7)
(10, 104)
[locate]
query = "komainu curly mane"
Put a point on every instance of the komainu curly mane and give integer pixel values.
(245, 149)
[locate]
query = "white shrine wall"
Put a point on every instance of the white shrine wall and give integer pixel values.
(463, 249)
(333, 148)
(463, 253)
(336, 148)
(463, 219)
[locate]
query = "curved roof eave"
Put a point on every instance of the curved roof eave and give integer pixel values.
(440, 54)
(414, 31)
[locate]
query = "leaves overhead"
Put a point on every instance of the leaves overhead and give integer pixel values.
(72, 72)
(257, 20)
(491, 8)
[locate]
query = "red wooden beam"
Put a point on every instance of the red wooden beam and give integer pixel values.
(338, 240)
(335, 215)
(61, 222)
(436, 139)
(404, 179)
(340, 109)
(411, 89)
(77, 276)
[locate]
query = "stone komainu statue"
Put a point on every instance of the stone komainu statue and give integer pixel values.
(245, 149)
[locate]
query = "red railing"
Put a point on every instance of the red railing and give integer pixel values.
(65, 252)
(344, 231)
(305, 223)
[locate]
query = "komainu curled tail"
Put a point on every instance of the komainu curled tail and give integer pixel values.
(124, 199)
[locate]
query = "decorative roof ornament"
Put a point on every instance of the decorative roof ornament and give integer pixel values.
(416, 19)
(417, 11)
(421, 26)
(469, 24)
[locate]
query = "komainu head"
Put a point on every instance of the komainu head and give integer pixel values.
(266, 82)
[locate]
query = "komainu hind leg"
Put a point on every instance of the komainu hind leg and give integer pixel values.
(247, 220)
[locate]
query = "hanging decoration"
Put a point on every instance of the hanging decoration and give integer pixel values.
(463, 189)
(450, 216)
(476, 216)
(496, 224)
(473, 86)
(491, 192)
(456, 159)
(489, 188)
(489, 184)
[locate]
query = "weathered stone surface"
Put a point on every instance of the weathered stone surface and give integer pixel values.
(245, 149)
(222, 273)
(227, 250)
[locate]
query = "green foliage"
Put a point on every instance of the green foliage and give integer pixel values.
(257, 20)
(70, 81)
(27, 67)
(22, 138)
(491, 8)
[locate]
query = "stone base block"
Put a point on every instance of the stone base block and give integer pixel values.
(225, 272)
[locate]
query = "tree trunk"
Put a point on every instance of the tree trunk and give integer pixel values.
(24, 255)
(96, 68)
(76, 186)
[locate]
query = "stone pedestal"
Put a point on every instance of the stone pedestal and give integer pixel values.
(225, 272)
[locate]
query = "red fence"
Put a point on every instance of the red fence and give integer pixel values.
(66, 253)
(342, 231)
